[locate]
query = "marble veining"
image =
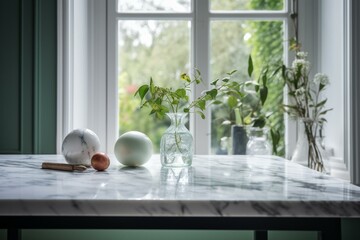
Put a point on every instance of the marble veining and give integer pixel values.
(249, 186)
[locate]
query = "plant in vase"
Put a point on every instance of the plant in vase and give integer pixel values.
(308, 107)
(246, 101)
(176, 148)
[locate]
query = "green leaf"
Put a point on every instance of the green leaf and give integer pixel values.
(248, 83)
(213, 93)
(283, 72)
(232, 72)
(181, 92)
(275, 137)
(232, 101)
(250, 66)
(290, 106)
(225, 79)
(158, 101)
(268, 114)
(264, 79)
(185, 77)
(197, 71)
(186, 110)
(321, 87)
(202, 115)
(217, 102)
(247, 120)
(175, 102)
(152, 87)
(323, 119)
(214, 82)
(201, 104)
(325, 111)
(160, 115)
(322, 103)
(260, 122)
(142, 91)
(263, 95)
(275, 72)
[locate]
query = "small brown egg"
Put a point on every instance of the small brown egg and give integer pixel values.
(100, 161)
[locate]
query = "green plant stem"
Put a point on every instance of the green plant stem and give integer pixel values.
(314, 161)
(238, 119)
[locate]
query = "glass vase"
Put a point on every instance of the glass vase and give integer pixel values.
(176, 146)
(258, 143)
(308, 151)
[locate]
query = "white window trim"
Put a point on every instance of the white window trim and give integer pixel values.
(105, 75)
(92, 90)
(199, 57)
(309, 26)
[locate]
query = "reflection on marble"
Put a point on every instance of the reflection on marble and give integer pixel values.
(176, 183)
(213, 186)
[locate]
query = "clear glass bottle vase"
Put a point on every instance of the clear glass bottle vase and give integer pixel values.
(176, 146)
(258, 143)
(308, 150)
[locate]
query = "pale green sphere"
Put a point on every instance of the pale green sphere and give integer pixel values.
(133, 148)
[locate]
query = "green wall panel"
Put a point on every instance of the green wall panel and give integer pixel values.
(28, 76)
(10, 82)
(45, 75)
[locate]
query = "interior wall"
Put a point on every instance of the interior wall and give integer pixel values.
(331, 59)
(28, 76)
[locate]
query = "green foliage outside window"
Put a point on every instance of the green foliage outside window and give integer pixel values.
(160, 49)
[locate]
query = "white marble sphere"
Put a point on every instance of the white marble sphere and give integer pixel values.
(79, 146)
(133, 148)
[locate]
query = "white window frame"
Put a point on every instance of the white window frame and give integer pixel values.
(310, 25)
(100, 71)
(200, 49)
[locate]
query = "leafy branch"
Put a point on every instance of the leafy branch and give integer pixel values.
(162, 100)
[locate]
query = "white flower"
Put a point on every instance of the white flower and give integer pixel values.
(321, 78)
(305, 65)
(299, 91)
(301, 55)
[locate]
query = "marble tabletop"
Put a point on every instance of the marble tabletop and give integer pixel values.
(242, 186)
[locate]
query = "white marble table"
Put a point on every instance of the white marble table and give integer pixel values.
(215, 186)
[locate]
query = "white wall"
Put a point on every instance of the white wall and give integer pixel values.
(331, 62)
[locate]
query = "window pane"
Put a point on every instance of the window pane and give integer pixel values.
(236, 5)
(153, 6)
(157, 49)
(231, 44)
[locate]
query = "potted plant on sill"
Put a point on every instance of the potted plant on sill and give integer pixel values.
(176, 148)
(246, 101)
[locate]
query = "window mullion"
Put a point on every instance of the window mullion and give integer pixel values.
(200, 52)
(153, 16)
(112, 107)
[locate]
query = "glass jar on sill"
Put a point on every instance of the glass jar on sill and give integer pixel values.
(258, 143)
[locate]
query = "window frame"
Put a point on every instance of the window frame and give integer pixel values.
(100, 75)
(200, 17)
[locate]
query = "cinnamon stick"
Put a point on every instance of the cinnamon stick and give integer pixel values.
(62, 166)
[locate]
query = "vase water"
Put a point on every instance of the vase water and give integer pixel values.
(176, 146)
